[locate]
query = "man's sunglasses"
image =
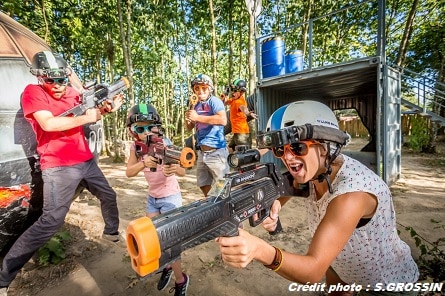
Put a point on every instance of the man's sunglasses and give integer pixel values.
(296, 149)
(197, 88)
(61, 81)
(143, 129)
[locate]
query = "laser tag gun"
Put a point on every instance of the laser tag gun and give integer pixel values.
(96, 95)
(165, 154)
(192, 101)
(247, 193)
(225, 94)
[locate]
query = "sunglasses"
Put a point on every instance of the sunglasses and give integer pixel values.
(198, 88)
(296, 149)
(61, 81)
(143, 129)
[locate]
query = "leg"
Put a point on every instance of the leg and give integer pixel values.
(163, 205)
(58, 194)
(95, 181)
(203, 176)
(216, 163)
(177, 270)
(217, 168)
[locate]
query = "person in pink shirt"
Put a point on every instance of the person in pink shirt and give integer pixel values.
(164, 194)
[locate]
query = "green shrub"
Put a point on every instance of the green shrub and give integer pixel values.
(432, 256)
(420, 137)
(53, 252)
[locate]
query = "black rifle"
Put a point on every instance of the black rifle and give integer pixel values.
(96, 96)
(247, 193)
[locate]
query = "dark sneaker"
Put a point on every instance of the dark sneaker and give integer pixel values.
(165, 278)
(181, 289)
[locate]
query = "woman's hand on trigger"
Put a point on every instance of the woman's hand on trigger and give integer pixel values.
(270, 223)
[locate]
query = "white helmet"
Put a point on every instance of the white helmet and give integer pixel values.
(301, 113)
(304, 120)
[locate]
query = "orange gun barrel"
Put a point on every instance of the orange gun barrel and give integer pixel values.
(143, 246)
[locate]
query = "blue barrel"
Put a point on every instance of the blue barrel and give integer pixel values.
(294, 61)
(272, 57)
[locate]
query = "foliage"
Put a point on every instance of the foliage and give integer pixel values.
(432, 256)
(171, 41)
(419, 137)
(53, 252)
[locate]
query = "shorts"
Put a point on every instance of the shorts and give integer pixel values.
(211, 166)
(163, 204)
(240, 139)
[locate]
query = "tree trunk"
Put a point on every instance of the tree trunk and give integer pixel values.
(305, 30)
(403, 48)
(251, 54)
(214, 61)
(126, 45)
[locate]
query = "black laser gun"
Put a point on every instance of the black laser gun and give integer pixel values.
(247, 193)
(96, 95)
(242, 157)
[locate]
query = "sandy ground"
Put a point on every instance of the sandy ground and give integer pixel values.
(96, 268)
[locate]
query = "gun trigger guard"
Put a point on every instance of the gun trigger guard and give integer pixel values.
(253, 222)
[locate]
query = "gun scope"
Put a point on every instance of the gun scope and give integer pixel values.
(270, 139)
(243, 156)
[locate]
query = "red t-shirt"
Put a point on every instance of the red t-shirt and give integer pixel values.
(60, 148)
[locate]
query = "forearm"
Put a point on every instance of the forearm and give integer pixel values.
(299, 268)
(245, 110)
(55, 124)
(213, 119)
(134, 168)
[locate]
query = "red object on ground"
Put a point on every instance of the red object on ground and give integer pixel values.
(10, 194)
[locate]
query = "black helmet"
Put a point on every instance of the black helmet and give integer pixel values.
(49, 64)
(203, 79)
(238, 85)
(143, 112)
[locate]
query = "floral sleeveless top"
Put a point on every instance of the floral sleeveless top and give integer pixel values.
(374, 253)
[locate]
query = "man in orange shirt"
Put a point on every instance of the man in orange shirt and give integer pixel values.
(238, 115)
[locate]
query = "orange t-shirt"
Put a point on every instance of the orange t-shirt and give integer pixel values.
(237, 117)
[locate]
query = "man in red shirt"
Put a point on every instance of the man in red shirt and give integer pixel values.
(65, 158)
(238, 115)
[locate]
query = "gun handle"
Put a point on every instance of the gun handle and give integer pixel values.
(259, 219)
(278, 229)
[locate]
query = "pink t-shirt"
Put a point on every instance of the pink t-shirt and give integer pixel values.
(159, 185)
(60, 148)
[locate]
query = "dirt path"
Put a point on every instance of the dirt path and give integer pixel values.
(96, 268)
